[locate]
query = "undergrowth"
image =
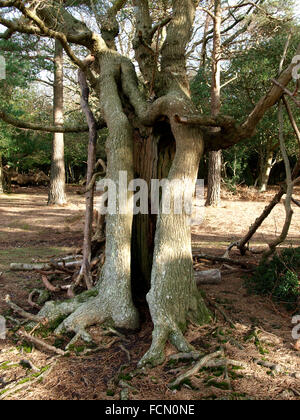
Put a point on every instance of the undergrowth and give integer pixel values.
(278, 278)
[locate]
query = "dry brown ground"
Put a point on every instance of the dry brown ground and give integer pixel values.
(29, 230)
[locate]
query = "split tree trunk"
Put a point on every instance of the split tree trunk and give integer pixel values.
(215, 158)
(58, 177)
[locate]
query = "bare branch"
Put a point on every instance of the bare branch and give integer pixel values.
(9, 119)
(287, 91)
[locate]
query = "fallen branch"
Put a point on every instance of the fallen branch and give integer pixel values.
(207, 277)
(223, 260)
(41, 343)
(47, 266)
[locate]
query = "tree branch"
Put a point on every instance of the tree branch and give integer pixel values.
(9, 119)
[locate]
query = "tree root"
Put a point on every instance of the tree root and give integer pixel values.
(226, 317)
(161, 334)
(195, 369)
(21, 311)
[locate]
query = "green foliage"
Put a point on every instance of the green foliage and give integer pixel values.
(278, 278)
(249, 70)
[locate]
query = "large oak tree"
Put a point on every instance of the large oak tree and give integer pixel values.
(154, 132)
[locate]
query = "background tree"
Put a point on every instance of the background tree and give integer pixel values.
(58, 174)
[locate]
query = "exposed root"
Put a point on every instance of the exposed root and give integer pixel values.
(30, 299)
(161, 334)
(95, 311)
(126, 352)
(48, 285)
(20, 311)
(226, 317)
(193, 355)
(195, 369)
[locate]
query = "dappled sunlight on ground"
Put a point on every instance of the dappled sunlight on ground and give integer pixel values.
(30, 231)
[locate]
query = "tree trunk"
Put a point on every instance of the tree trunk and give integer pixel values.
(266, 171)
(85, 271)
(1, 176)
(215, 158)
(114, 300)
(173, 298)
(57, 179)
(214, 179)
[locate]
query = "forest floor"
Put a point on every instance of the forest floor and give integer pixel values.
(30, 231)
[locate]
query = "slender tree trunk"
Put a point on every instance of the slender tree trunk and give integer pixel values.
(85, 271)
(1, 176)
(58, 177)
(266, 171)
(215, 158)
